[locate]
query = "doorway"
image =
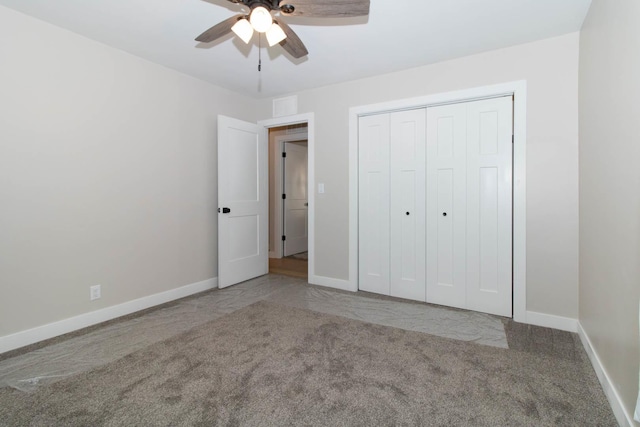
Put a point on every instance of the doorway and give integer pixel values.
(244, 196)
(289, 200)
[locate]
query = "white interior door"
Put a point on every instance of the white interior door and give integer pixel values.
(489, 202)
(295, 202)
(373, 204)
(407, 204)
(243, 203)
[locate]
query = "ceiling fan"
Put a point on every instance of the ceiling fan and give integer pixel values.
(261, 20)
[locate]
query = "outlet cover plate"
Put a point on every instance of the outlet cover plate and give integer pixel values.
(94, 292)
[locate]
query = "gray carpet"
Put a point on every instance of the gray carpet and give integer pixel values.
(269, 364)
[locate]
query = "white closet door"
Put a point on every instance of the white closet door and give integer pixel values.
(407, 204)
(489, 202)
(446, 205)
(373, 204)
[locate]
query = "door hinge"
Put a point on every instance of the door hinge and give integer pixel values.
(512, 139)
(284, 196)
(284, 238)
(284, 154)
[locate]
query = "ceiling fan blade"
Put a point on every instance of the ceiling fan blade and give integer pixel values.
(325, 8)
(218, 30)
(292, 43)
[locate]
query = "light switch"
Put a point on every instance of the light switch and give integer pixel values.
(321, 188)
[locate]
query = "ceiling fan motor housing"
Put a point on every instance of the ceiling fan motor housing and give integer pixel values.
(281, 5)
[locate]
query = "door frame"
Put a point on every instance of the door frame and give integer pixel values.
(517, 89)
(309, 119)
(278, 251)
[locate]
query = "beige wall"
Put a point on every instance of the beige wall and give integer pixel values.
(551, 70)
(107, 174)
(610, 189)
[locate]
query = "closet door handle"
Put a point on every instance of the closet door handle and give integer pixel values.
(444, 214)
(407, 213)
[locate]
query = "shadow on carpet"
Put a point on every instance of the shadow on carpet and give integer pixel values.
(269, 364)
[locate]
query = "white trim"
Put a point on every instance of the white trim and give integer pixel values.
(279, 186)
(519, 201)
(623, 417)
(40, 333)
(551, 321)
(330, 282)
(309, 119)
(519, 90)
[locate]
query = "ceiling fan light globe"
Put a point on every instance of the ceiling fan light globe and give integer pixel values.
(243, 29)
(260, 19)
(275, 34)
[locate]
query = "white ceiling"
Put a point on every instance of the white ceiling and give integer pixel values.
(398, 34)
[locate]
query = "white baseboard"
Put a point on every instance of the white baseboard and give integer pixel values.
(551, 321)
(624, 418)
(40, 333)
(330, 282)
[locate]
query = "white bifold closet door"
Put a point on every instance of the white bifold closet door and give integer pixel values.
(392, 204)
(469, 205)
(490, 206)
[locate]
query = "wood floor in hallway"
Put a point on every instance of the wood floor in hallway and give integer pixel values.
(289, 266)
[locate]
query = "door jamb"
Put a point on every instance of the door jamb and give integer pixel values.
(309, 119)
(519, 91)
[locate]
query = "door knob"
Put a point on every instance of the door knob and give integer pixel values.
(226, 210)
(407, 213)
(444, 214)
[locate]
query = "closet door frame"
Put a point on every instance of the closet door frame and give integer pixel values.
(518, 90)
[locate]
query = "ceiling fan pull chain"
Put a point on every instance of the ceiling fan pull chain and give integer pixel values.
(259, 52)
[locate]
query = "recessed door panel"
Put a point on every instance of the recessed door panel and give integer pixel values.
(375, 228)
(488, 223)
(445, 135)
(409, 238)
(245, 243)
(242, 177)
(444, 234)
(488, 132)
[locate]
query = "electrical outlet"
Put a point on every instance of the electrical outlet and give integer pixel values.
(94, 292)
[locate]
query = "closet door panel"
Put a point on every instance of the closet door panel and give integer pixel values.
(489, 226)
(446, 205)
(407, 204)
(373, 204)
